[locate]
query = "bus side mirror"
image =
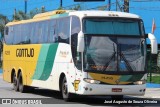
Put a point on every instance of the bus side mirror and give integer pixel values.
(154, 47)
(80, 45)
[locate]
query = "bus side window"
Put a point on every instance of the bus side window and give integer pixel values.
(25, 29)
(39, 32)
(32, 32)
(63, 25)
(45, 31)
(17, 34)
(75, 29)
(28, 34)
(6, 30)
(52, 31)
(9, 37)
(35, 31)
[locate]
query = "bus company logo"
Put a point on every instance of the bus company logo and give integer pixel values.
(24, 52)
(117, 81)
(63, 54)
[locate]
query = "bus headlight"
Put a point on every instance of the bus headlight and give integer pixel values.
(92, 81)
(140, 82)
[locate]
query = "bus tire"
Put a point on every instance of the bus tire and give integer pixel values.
(64, 88)
(15, 82)
(22, 88)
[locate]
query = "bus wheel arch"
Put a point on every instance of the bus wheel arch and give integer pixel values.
(64, 88)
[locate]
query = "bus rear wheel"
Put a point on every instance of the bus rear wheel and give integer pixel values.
(15, 82)
(64, 88)
(22, 88)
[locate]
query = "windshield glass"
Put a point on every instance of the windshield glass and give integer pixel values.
(105, 50)
(114, 54)
(111, 26)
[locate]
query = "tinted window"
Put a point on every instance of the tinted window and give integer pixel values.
(75, 25)
(53, 31)
(9, 37)
(17, 34)
(75, 29)
(6, 31)
(25, 29)
(45, 31)
(63, 29)
(32, 27)
(49, 31)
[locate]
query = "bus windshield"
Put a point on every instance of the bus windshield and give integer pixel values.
(113, 52)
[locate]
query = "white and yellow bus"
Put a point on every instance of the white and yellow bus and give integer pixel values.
(78, 52)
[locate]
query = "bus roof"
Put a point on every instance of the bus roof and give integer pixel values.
(40, 17)
(99, 13)
(62, 13)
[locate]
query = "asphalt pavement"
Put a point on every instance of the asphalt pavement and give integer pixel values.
(54, 97)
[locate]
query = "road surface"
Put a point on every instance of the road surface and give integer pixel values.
(54, 97)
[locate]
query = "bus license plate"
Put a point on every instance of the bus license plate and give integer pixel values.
(116, 89)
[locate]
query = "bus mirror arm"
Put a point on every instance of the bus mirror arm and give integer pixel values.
(153, 41)
(146, 35)
(80, 45)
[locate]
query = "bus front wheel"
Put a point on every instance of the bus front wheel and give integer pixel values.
(64, 88)
(15, 82)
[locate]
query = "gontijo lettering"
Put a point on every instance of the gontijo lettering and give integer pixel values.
(25, 52)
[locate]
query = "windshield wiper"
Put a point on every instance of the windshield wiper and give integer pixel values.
(127, 63)
(110, 59)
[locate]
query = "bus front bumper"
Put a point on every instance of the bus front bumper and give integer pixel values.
(99, 89)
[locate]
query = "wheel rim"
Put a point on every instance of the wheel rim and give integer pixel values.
(65, 91)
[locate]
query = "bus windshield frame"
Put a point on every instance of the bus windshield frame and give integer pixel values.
(120, 53)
